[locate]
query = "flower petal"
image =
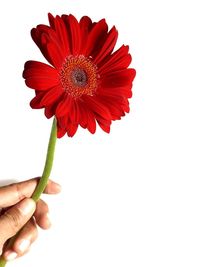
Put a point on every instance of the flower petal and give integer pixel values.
(41, 42)
(73, 127)
(73, 27)
(104, 124)
(120, 59)
(85, 27)
(36, 101)
(83, 118)
(75, 35)
(118, 79)
(108, 45)
(36, 68)
(115, 107)
(66, 126)
(64, 106)
(52, 95)
(96, 106)
(120, 92)
(87, 119)
(46, 40)
(91, 123)
(40, 83)
(104, 127)
(60, 131)
(96, 38)
(60, 29)
(55, 55)
(40, 76)
(51, 110)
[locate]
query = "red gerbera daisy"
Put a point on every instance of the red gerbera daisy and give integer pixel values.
(86, 82)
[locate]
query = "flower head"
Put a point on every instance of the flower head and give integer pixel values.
(86, 82)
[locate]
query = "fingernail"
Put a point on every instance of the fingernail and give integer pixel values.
(24, 245)
(26, 206)
(10, 255)
(48, 220)
(57, 187)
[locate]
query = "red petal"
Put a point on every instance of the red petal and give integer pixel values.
(36, 101)
(41, 42)
(50, 33)
(72, 129)
(55, 55)
(96, 106)
(36, 68)
(50, 110)
(115, 107)
(73, 28)
(52, 36)
(66, 126)
(104, 127)
(40, 83)
(118, 79)
(51, 20)
(77, 112)
(61, 33)
(91, 124)
(51, 96)
(125, 105)
(118, 60)
(96, 38)
(75, 35)
(82, 116)
(72, 113)
(87, 118)
(49, 44)
(61, 132)
(40, 76)
(119, 100)
(108, 46)
(104, 124)
(85, 27)
(124, 91)
(64, 106)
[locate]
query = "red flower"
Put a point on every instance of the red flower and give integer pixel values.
(87, 82)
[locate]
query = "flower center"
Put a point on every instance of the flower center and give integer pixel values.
(79, 76)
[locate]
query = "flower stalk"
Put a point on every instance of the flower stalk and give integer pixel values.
(43, 180)
(48, 164)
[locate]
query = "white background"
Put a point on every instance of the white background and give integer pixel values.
(131, 198)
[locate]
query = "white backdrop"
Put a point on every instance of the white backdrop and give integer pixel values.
(130, 198)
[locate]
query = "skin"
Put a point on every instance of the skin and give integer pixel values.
(18, 210)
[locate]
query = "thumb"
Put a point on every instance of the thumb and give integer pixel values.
(14, 218)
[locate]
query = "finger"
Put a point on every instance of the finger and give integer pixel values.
(52, 188)
(11, 194)
(23, 242)
(26, 237)
(10, 255)
(14, 218)
(42, 215)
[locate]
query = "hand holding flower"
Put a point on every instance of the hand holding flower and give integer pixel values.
(19, 210)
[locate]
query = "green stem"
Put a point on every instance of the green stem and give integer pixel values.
(43, 180)
(48, 164)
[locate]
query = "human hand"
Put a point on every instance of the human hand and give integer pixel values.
(19, 210)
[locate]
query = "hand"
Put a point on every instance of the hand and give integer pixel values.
(18, 210)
